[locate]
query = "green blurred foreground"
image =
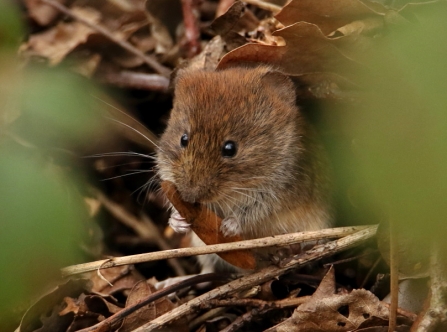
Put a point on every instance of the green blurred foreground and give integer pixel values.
(41, 212)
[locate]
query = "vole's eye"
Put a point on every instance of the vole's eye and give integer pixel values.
(229, 149)
(184, 140)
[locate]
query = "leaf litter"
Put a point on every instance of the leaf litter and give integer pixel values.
(322, 45)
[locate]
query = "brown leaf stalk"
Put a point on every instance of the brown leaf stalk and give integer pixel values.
(190, 9)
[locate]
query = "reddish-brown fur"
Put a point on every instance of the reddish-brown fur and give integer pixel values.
(277, 182)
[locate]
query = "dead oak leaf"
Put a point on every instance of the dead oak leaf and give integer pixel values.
(148, 312)
(121, 277)
(329, 15)
(42, 13)
(334, 312)
(55, 43)
(307, 50)
(326, 65)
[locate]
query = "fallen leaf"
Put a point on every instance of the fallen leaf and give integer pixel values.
(55, 43)
(329, 15)
(148, 312)
(206, 225)
(327, 311)
(52, 302)
(42, 13)
(121, 278)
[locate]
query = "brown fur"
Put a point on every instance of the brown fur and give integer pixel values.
(277, 182)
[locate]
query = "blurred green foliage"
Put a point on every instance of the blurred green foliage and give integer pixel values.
(400, 127)
(42, 214)
(11, 30)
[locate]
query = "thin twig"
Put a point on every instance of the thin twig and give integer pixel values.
(264, 5)
(248, 316)
(394, 276)
(207, 315)
(135, 80)
(245, 318)
(371, 270)
(281, 240)
(152, 63)
(120, 315)
(260, 277)
(434, 317)
(256, 303)
(190, 9)
(349, 259)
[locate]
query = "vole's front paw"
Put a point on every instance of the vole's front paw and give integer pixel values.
(230, 227)
(178, 223)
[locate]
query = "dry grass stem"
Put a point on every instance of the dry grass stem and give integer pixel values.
(264, 5)
(279, 240)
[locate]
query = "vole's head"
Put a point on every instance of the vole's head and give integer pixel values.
(235, 130)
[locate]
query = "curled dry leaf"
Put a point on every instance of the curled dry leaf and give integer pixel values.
(210, 55)
(55, 43)
(141, 290)
(206, 225)
(149, 312)
(42, 13)
(121, 278)
(327, 311)
(324, 69)
(329, 15)
(53, 299)
(164, 17)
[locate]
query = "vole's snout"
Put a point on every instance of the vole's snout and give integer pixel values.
(194, 193)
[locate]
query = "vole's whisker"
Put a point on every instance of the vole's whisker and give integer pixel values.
(125, 164)
(252, 197)
(128, 115)
(119, 154)
(145, 188)
(256, 190)
(128, 174)
(135, 130)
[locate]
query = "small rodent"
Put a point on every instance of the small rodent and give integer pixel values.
(237, 142)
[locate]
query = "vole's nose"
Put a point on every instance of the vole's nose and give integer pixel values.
(194, 194)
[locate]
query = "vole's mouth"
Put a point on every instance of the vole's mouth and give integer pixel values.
(197, 196)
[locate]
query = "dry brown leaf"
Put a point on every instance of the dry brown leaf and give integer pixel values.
(210, 55)
(42, 13)
(318, 60)
(145, 314)
(51, 302)
(149, 312)
(228, 26)
(367, 26)
(328, 312)
(71, 305)
(55, 43)
(206, 225)
(329, 15)
(99, 305)
(121, 278)
(164, 20)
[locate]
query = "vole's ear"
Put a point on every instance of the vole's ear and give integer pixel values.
(177, 74)
(281, 85)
